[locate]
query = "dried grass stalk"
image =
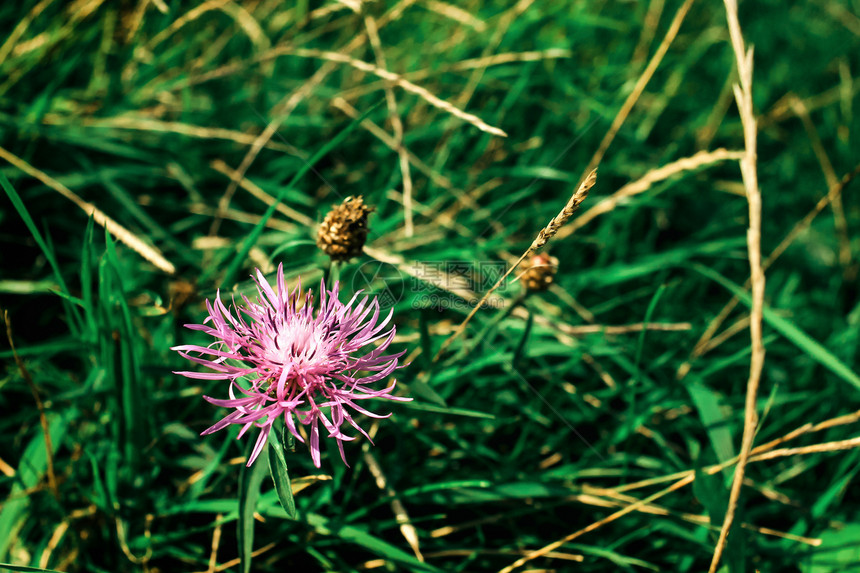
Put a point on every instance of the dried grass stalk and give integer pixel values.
(700, 159)
(456, 14)
(743, 96)
(641, 83)
(281, 112)
(689, 476)
(831, 178)
(159, 126)
(406, 528)
(391, 143)
(255, 190)
(189, 16)
(148, 252)
(836, 446)
(396, 124)
(405, 84)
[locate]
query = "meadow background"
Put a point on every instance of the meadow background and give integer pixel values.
(577, 431)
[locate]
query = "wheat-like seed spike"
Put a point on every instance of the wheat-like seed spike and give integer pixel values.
(559, 220)
(545, 235)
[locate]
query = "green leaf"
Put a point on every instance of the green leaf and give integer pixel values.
(291, 244)
(648, 314)
(648, 264)
(278, 469)
(839, 551)
(46, 349)
(715, 421)
(28, 475)
(72, 299)
(519, 353)
(134, 406)
(423, 406)
(87, 280)
(420, 388)
(614, 557)
(369, 542)
(536, 172)
(250, 480)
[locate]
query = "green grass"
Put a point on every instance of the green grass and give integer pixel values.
(515, 437)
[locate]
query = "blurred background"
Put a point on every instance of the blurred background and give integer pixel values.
(211, 138)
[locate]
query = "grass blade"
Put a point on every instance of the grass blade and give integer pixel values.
(369, 542)
(519, 353)
(46, 249)
(715, 421)
(803, 341)
(278, 469)
(133, 405)
(250, 480)
(426, 342)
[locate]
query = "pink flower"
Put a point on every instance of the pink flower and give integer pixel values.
(296, 361)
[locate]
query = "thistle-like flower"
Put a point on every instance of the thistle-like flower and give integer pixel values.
(302, 362)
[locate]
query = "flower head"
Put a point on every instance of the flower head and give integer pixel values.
(343, 232)
(310, 364)
(541, 272)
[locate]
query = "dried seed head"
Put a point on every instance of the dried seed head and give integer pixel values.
(344, 230)
(559, 220)
(539, 275)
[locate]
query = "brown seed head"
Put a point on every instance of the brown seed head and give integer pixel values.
(343, 232)
(539, 275)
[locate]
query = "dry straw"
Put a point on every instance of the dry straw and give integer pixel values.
(640, 85)
(401, 515)
(700, 159)
(405, 84)
(681, 479)
(148, 252)
(283, 109)
(456, 14)
(255, 190)
(743, 96)
(831, 178)
(392, 143)
(159, 126)
(396, 124)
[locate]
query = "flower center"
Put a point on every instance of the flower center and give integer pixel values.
(297, 341)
